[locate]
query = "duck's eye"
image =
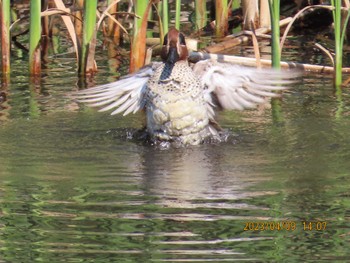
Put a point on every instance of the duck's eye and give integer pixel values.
(165, 42)
(182, 39)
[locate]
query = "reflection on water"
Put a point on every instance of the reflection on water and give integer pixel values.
(76, 189)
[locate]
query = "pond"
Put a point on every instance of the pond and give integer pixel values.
(76, 188)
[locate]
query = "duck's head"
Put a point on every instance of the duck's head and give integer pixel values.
(174, 47)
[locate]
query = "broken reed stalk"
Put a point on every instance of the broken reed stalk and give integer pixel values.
(86, 61)
(264, 17)
(339, 32)
(46, 32)
(5, 20)
(251, 62)
(256, 46)
(45, 20)
(235, 41)
(34, 37)
(250, 13)
(200, 13)
(297, 15)
(110, 23)
(221, 18)
(74, 35)
(78, 21)
(113, 29)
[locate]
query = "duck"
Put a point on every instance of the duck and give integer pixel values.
(180, 100)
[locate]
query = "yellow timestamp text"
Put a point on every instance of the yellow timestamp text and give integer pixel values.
(314, 225)
(284, 225)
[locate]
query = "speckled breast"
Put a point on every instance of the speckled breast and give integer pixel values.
(176, 109)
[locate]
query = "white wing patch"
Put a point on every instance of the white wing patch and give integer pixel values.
(237, 87)
(125, 95)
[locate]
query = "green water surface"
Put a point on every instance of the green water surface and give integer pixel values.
(76, 188)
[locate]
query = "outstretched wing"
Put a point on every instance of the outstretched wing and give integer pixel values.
(125, 95)
(237, 87)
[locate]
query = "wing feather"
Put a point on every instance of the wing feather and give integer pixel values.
(238, 87)
(125, 95)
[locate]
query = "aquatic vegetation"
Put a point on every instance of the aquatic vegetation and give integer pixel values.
(84, 19)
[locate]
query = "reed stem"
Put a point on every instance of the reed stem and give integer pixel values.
(250, 14)
(177, 14)
(113, 29)
(34, 37)
(338, 46)
(201, 13)
(138, 43)
(339, 35)
(274, 6)
(78, 24)
(5, 20)
(89, 27)
(221, 18)
(275, 41)
(165, 16)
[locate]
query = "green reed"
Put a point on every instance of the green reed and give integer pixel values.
(140, 11)
(177, 14)
(339, 35)
(165, 16)
(34, 37)
(5, 21)
(138, 43)
(201, 13)
(275, 26)
(274, 6)
(89, 26)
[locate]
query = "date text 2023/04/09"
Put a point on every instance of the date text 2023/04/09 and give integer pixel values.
(285, 225)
